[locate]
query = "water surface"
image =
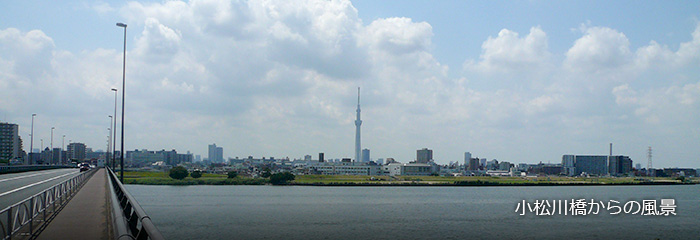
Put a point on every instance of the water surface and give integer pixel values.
(307, 212)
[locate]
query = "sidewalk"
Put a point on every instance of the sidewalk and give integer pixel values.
(86, 216)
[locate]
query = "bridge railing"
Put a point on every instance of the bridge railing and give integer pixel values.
(28, 217)
(131, 221)
(25, 168)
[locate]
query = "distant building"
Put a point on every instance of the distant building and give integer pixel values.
(424, 155)
(546, 169)
(589, 164)
(467, 158)
(416, 169)
(321, 158)
(492, 165)
(380, 161)
(599, 165)
(409, 169)
(144, 157)
(56, 156)
(10, 143)
(216, 154)
(679, 172)
(504, 166)
(77, 151)
(619, 165)
(365, 155)
(473, 164)
(346, 168)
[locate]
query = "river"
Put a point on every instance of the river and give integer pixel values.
(307, 212)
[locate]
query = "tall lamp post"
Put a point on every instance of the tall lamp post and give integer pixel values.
(31, 145)
(51, 144)
(109, 141)
(121, 155)
(63, 144)
(114, 129)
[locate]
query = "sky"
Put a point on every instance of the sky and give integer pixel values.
(517, 81)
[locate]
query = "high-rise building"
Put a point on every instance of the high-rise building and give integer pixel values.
(365, 155)
(358, 123)
(77, 151)
(596, 165)
(473, 164)
(424, 155)
(56, 156)
(467, 158)
(10, 143)
(619, 165)
(320, 157)
(216, 154)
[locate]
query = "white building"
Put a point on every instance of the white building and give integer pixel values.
(345, 168)
(408, 169)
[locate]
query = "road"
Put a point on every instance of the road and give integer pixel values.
(15, 187)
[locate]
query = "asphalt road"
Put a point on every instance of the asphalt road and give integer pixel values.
(15, 187)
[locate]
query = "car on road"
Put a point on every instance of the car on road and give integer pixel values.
(84, 166)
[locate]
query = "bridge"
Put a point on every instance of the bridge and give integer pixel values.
(42, 202)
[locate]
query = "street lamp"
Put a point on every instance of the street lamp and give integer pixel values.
(51, 144)
(31, 145)
(114, 129)
(121, 155)
(63, 144)
(109, 140)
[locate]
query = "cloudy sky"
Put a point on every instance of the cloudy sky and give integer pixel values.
(520, 81)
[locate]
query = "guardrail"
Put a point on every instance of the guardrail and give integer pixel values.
(28, 217)
(131, 221)
(26, 168)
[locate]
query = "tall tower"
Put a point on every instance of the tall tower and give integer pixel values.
(358, 123)
(649, 162)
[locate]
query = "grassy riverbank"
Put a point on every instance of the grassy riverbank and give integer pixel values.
(322, 180)
(162, 178)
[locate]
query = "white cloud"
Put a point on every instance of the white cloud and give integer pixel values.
(29, 53)
(398, 36)
(656, 56)
(158, 43)
(508, 52)
(600, 50)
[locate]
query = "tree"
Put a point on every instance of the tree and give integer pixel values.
(281, 178)
(232, 174)
(266, 173)
(196, 174)
(178, 173)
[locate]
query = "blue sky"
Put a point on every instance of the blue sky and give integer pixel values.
(520, 81)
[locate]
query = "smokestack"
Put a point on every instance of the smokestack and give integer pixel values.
(610, 149)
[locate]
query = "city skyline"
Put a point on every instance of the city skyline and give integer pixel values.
(528, 83)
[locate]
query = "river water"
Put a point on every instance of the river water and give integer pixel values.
(307, 212)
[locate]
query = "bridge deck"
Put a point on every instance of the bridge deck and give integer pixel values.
(86, 216)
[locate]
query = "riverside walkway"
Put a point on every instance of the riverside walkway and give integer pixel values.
(86, 215)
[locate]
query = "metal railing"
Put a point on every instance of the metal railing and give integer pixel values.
(130, 220)
(27, 218)
(26, 168)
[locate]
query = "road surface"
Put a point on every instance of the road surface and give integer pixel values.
(15, 187)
